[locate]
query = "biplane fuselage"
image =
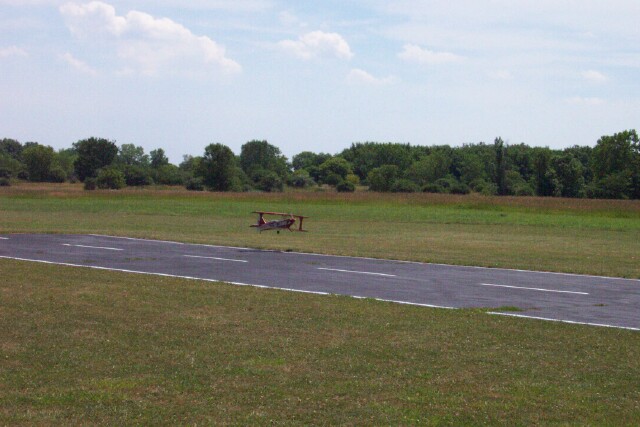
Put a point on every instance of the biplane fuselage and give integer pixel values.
(287, 221)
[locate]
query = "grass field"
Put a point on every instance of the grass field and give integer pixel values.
(575, 236)
(81, 346)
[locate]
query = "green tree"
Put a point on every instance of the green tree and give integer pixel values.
(370, 155)
(569, 175)
(430, 168)
(168, 175)
(268, 181)
(616, 165)
(93, 154)
(11, 148)
(131, 155)
(38, 160)
(501, 167)
(110, 178)
(158, 158)
(217, 167)
(307, 159)
(383, 178)
(335, 167)
(64, 159)
(300, 179)
(257, 156)
(544, 176)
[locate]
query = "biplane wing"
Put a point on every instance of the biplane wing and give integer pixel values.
(287, 221)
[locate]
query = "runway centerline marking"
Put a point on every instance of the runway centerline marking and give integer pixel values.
(215, 258)
(92, 247)
(573, 322)
(534, 289)
(357, 272)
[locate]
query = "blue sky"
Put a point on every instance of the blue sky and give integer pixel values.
(318, 75)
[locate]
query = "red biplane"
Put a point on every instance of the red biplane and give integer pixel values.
(285, 223)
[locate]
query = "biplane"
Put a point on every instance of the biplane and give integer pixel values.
(285, 222)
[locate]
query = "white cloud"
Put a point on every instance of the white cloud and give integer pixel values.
(78, 64)
(414, 53)
(360, 76)
(12, 51)
(588, 101)
(288, 19)
(318, 44)
(501, 75)
(146, 43)
(594, 76)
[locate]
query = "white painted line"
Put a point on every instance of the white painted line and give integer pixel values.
(4, 238)
(215, 258)
(534, 289)
(357, 272)
(216, 281)
(378, 259)
(573, 322)
(92, 247)
(142, 240)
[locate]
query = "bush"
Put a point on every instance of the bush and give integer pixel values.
(110, 179)
(269, 181)
(332, 179)
(459, 188)
(195, 184)
(432, 187)
(5, 172)
(90, 184)
(4, 182)
(381, 179)
(345, 187)
(57, 174)
(300, 179)
(404, 186)
(137, 175)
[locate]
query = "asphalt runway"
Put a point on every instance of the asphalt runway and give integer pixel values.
(589, 300)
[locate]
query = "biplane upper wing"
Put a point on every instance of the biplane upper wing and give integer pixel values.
(279, 213)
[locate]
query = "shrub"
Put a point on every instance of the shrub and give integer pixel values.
(353, 178)
(90, 184)
(269, 181)
(110, 178)
(345, 187)
(137, 175)
(195, 184)
(4, 182)
(5, 172)
(381, 179)
(332, 179)
(459, 188)
(300, 179)
(57, 174)
(404, 186)
(432, 187)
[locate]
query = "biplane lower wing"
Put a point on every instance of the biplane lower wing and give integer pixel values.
(287, 221)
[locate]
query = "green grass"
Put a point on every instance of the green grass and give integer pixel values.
(574, 236)
(81, 346)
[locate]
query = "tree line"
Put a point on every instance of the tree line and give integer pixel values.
(611, 169)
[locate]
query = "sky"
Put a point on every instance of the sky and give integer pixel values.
(318, 75)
